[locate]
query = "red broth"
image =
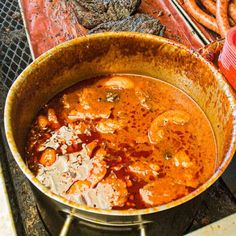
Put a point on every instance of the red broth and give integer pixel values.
(121, 142)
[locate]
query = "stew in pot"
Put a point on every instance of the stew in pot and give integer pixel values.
(121, 142)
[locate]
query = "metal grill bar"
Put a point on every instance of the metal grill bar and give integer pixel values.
(191, 23)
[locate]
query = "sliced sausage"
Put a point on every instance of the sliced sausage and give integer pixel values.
(48, 157)
(210, 5)
(42, 122)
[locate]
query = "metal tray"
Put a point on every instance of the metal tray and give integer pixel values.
(48, 23)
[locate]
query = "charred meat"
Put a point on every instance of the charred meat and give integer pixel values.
(137, 23)
(91, 13)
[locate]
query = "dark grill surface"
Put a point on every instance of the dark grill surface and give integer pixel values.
(15, 56)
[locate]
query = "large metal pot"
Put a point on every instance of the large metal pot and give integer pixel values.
(132, 53)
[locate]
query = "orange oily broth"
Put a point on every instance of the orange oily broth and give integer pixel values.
(143, 166)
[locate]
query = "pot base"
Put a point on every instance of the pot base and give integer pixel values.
(174, 221)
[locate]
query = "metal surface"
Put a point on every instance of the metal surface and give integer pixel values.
(15, 52)
(224, 227)
(7, 227)
(229, 177)
(15, 56)
(25, 29)
(196, 29)
(66, 225)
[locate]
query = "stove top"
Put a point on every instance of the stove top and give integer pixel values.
(218, 201)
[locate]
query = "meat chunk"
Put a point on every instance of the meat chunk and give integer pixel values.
(182, 159)
(48, 157)
(87, 103)
(137, 23)
(108, 193)
(114, 190)
(159, 192)
(187, 179)
(94, 12)
(52, 118)
(144, 170)
(42, 121)
(108, 126)
(91, 113)
(156, 131)
(145, 100)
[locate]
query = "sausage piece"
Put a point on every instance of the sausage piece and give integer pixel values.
(222, 16)
(232, 11)
(48, 157)
(200, 16)
(42, 122)
(210, 5)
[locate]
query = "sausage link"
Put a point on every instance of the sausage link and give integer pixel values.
(200, 16)
(222, 18)
(232, 11)
(210, 5)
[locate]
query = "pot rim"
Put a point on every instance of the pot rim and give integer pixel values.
(10, 139)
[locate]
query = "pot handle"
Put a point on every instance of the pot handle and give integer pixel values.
(70, 217)
(66, 226)
(142, 228)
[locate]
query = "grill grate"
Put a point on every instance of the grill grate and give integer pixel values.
(15, 52)
(14, 57)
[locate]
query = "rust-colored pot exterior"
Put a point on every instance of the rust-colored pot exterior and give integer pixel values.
(125, 52)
